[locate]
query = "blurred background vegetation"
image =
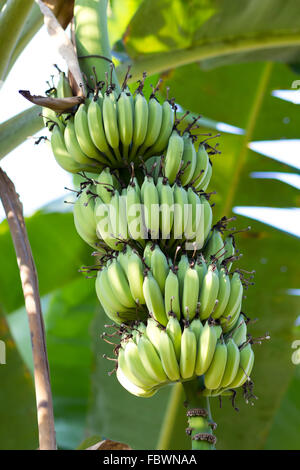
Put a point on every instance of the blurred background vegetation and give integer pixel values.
(225, 60)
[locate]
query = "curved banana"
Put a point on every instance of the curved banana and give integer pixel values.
(154, 299)
(223, 293)
(168, 357)
(209, 292)
(213, 376)
(206, 348)
(189, 160)
(173, 157)
(171, 294)
(188, 353)
(173, 329)
(190, 293)
(165, 131)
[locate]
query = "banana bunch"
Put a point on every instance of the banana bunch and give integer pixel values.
(182, 163)
(108, 129)
(150, 357)
(190, 289)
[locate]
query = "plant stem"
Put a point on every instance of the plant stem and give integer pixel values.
(92, 38)
(200, 424)
(14, 213)
(169, 422)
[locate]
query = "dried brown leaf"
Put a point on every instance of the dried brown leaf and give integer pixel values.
(62, 9)
(60, 105)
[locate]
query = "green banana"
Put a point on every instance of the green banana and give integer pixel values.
(125, 121)
(168, 356)
(223, 293)
(206, 348)
(154, 124)
(119, 284)
(165, 131)
(188, 353)
(209, 292)
(151, 360)
(96, 129)
(189, 160)
(190, 293)
(150, 200)
(171, 294)
(159, 267)
(232, 364)
(173, 329)
(245, 367)
(140, 123)
(173, 157)
(154, 299)
(213, 376)
(135, 275)
(83, 134)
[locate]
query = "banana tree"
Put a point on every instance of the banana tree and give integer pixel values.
(223, 60)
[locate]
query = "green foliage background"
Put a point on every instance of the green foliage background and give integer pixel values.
(222, 59)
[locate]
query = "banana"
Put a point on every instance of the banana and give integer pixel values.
(135, 365)
(104, 227)
(73, 147)
(135, 221)
(223, 293)
(112, 307)
(154, 299)
(183, 265)
(209, 292)
(207, 216)
(86, 231)
(201, 168)
(123, 257)
(125, 121)
(166, 208)
(140, 123)
(119, 284)
(150, 200)
(232, 364)
(168, 357)
(201, 269)
(229, 323)
(165, 131)
(190, 293)
(151, 360)
(171, 294)
(196, 326)
(159, 267)
(63, 88)
(123, 365)
(154, 124)
(180, 211)
(214, 247)
(239, 335)
(110, 122)
(135, 275)
(173, 329)
(83, 134)
(188, 353)
(189, 160)
(96, 129)
(148, 252)
(229, 249)
(213, 376)
(207, 178)
(105, 185)
(174, 155)
(153, 330)
(62, 156)
(206, 348)
(235, 299)
(131, 387)
(194, 230)
(245, 367)
(118, 216)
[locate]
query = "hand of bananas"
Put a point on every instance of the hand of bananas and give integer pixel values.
(142, 202)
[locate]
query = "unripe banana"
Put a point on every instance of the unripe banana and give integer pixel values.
(173, 156)
(214, 247)
(188, 353)
(104, 228)
(165, 131)
(148, 252)
(119, 284)
(154, 299)
(206, 348)
(173, 329)
(150, 199)
(201, 269)
(213, 376)
(118, 216)
(96, 129)
(110, 122)
(207, 216)
(201, 168)
(140, 123)
(159, 267)
(194, 230)
(151, 360)
(232, 364)
(136, 227)
(63, 88)
(131, 387)
(223, 293)
(245, 367)
(105, 185)
(183, 265)
(125, 121)
(83, 134)
(73, 146)
(168, 357)
(171, 294)
(229, 249)
(180, 211)
(235, 299)
(86, 231)
(135, 274)
(166, 209)
(239, 335)
(196, 326)
(153, 330)
(190, 293)
(135, 365)
(207, 178)
(209, 292)
(189, 160)
(154, 124)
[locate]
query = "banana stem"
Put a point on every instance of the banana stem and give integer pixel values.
(92, 41)
(200, 423)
